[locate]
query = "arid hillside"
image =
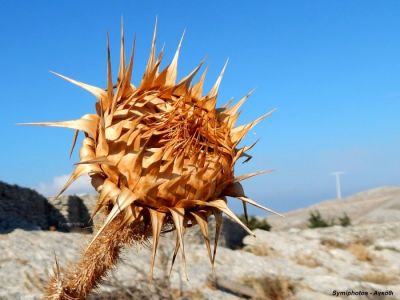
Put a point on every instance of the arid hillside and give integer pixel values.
(378, 205)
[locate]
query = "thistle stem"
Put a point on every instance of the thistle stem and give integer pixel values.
(94, 263)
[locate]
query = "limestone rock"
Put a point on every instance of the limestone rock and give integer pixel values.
(24, 208)
(76, 210)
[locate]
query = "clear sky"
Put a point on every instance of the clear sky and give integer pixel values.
(332, 68)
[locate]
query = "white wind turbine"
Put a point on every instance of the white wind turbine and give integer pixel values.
(338, 187)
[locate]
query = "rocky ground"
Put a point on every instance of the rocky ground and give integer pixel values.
(291, 264)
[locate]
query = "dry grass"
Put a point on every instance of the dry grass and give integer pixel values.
(308, 261)
(195, 294)
(366, 241)
(127, 293)
(380, 278)
(358, 248)
(261, 250)
(332, 243)
(33, 281)
(360, 252)
(271, 288)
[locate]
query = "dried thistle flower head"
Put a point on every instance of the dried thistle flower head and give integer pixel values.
(161, 153)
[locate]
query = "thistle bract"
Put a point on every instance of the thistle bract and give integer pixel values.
(161, 154)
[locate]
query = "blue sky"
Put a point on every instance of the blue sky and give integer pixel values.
(332, 68)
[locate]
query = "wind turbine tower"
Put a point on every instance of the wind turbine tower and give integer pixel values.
(338, 187)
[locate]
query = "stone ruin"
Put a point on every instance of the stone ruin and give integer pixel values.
(26, 209)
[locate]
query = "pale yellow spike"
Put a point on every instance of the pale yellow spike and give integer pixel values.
(173, 67)
(102, 147)
(124, 86)
(98, 92)
(259, 119)
(160, 55)
(231, 120)
(209, 103)
(88, 124)
(178, 215)
(167, 77)
(161, 79)
(97, 160)
(201, 219)
(121, 71)
(129, 216)
(239, 154)
(223, 107)
(157, 221)
(79, 171)
(128, 74)
(197, 89)
(155, 72)
(221, 205)
(214, 90)
(87, 150)
(246, 176)
(110, 90)
(252, 202)
(108, 190)
(234, 109)
(242, 152)
(247, 148)
(150, 62)
(184, 85)
(177, 244)
(73, 142)
(238, 133)
(124, 199)
(218, 225)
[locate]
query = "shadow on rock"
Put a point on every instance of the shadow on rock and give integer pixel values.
(28, 210)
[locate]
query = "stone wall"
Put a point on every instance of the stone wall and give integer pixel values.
(76, 210)
(26, 209)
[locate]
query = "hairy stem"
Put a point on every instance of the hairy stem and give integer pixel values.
(94, 263)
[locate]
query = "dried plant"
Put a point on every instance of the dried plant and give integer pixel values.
(161, 156)
(270, 288)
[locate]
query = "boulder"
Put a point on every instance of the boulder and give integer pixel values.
(25, 208)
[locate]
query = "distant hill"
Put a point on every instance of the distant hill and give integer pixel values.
(378, 205)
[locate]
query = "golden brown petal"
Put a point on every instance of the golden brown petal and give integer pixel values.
(157, 221)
